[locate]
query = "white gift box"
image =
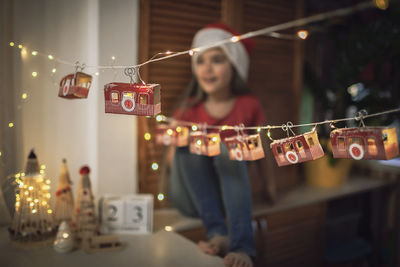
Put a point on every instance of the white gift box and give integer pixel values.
(128, 214)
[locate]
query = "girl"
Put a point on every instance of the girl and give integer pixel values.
(217, 189)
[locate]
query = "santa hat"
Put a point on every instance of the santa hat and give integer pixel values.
(237, 52)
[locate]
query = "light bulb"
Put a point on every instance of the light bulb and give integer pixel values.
(24, 96)
(12, 43)
(34, 74)
(34, 53)
(160, 196)
(154, 166)
(50, 57)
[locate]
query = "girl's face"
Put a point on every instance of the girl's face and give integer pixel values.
(214, 72)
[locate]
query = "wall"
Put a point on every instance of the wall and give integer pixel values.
(92, 32)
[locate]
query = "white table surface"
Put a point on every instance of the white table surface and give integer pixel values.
(158, 249)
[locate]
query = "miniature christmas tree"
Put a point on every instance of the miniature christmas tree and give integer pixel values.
(64, 200)
(33, 219)
(84, 217)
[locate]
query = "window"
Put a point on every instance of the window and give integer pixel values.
(372, 149)
(114, 97)
(299, 145)
(130, 95)
(384, 137)
(354, 140)
(279, 149)
(143, 99)
(310, 141)
(340, 143)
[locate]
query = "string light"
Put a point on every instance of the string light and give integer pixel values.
(258, 129)
(34, 211)
(113, 58)
(168, 228)
(159, 118)
(0, 153)
(170, 132)
(43, 166)
(34, 53)
(20, 46)
(12, 44)
(160, 196)
(235, 39)
(168, 52)
(178, 129)
(54, 70)
(381, 4)
(147, 136)
(49, 211)
(191, 53)
(97, 73)
(50, 57)
(303, 34)
(154, 166)
(24, 96)
(11, 124)
(223, 128)
(194, 128)
(34, 74)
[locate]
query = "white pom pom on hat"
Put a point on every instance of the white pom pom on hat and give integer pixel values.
(237, 52)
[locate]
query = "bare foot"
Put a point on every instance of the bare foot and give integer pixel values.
(237, 259)
(218, 245)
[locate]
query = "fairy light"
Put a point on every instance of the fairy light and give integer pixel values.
(50, 57)
(34, 53)
(168, 228)
(170, 132)
(26, 193)
(54, 70)
(43, 166)
(48, 195)
(381, 4)
(31, 204)
(154, 166)
(36, 200)
(22, 174)
(258, 129)
(178, 129)
(159, 118)
(65, 235)
(224, 127)
(29, 199)
(0, 153)
(44, 203)
(147, 136)
(20, 46)
(10, 124)
(198, 142)
(160, 196)
(24, 96)
(48, 181)
(235, 39)
(41, 171)
(34, 211)
(97, 73)
(113, 58)
(30, 188)
(214, 139)
(12, 44)
(194, 127)
(49, 211)
(24, 52)
(34, 74)
(191, 52)
(168, 52)
(303, 34)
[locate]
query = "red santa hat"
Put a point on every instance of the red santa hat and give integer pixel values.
(237, 52)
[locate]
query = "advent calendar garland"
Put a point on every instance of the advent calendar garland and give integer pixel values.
(379, 143)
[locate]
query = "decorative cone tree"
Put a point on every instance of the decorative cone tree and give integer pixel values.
(64, 200)
(84, 219)
(33, 219)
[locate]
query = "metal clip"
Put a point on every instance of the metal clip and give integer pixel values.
(360, 117)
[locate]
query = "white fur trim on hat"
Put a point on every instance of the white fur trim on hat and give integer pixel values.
(236, 52)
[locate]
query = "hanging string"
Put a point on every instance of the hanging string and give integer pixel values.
(361, 115)
(269, 31)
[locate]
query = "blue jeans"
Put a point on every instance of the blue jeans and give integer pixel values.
(217, 190)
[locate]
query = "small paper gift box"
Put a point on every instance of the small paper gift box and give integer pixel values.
(166, 135)
(296, 149)
(75, 85)
(132, 99)
(205, 144)
(365, 143)
(247, 147)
